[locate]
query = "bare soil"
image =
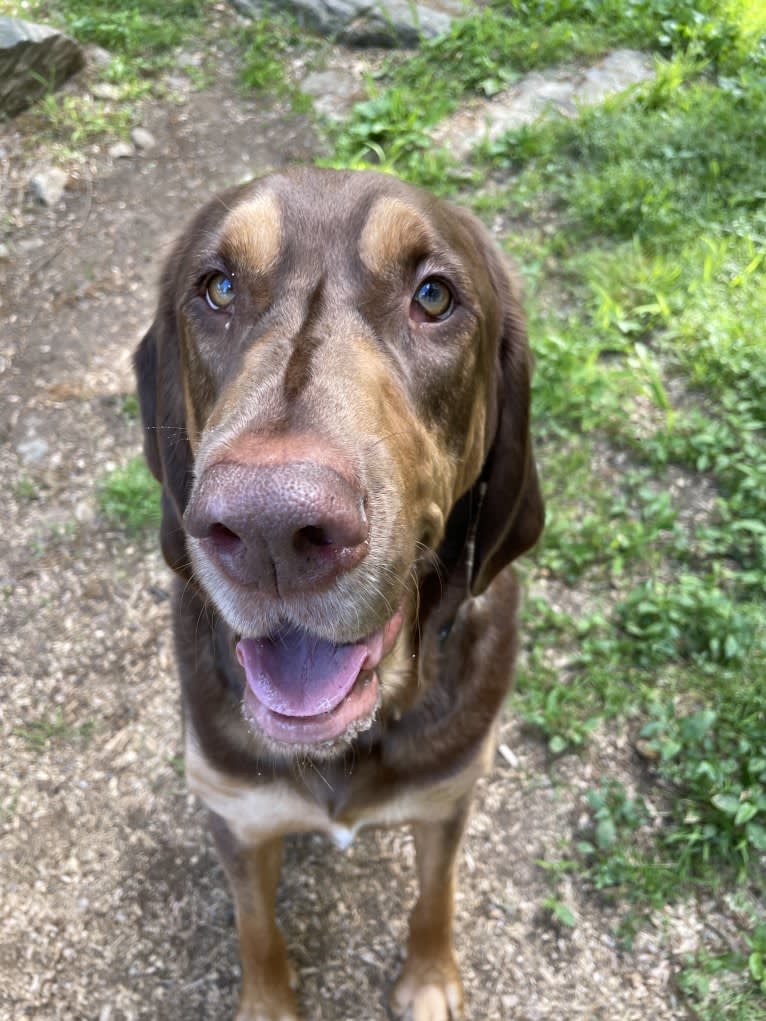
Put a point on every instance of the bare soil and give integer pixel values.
(113, 906)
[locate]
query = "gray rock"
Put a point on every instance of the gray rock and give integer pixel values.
(98, 56)
(617, 71)
(105, 90)
(121, 151)
(143, 139)
(184, 60)
(48, 185)
(365, 22)
(541, 93)
(334, 91)
(32, 450)
(34, 59)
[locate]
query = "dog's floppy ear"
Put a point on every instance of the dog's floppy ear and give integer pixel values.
(166, 444)
(510, 506)
(145, 367)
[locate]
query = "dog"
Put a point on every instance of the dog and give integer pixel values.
(335, 399)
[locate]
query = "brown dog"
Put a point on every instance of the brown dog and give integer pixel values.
(335, 392)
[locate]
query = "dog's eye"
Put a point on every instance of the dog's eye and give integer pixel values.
(219, 292)
(433, 298)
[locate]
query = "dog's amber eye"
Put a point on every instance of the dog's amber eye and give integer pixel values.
(220, 291)
(434, 298)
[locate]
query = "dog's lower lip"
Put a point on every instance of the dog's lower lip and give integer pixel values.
(356, 708)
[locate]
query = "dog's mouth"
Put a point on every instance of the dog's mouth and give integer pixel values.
(305, 690)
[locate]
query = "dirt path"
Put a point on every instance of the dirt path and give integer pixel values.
(113, 906)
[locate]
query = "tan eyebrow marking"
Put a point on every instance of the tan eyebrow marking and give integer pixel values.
(252, 232)
(393, 228)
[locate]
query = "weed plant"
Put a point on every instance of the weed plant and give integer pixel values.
(129, 497)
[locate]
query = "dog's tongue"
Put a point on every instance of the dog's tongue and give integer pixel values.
(297, 674)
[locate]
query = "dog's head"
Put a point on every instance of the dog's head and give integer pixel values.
(335, 392)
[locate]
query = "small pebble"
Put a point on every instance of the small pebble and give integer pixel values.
(121, 151)
(143, 139)
(48, 186)
(105, 90)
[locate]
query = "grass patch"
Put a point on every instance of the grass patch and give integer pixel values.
(650, 409)
(143, 39)
(728, 985)
(487, 51)
(140, 36)
(138, 29)
(265, 47)
(662, 165)
(44, 731)
(26, 490)
(129, 407)
(129, 497)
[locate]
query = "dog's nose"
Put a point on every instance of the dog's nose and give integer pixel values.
(282, 528)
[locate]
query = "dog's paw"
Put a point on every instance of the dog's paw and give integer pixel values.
(429, 991)
(281, 1007)
(248, 1013)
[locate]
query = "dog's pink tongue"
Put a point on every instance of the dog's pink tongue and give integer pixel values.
(297, 674)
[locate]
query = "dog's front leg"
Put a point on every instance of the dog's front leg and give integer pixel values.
(429, 988)
(253, 874)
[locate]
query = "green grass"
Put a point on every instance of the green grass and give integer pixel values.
(129, 497)
(659, 203)
(265, 47)
(143, 39)
(641, 229)
(44, 731)
(137, 29)
(485, 52)
(650, 355)
(710, 984)
(26, 490)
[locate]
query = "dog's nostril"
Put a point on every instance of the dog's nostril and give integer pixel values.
(223, 537)
(312, 535)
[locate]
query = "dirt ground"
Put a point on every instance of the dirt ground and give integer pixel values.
(113, 906)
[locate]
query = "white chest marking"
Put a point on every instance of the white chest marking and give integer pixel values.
(343, 836)
(260, 812)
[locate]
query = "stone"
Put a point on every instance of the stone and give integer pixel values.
(143, 139)
(34, 59)
(121, 151)
(98, 56)
(48, 185)
(617, 71)
(32, 450)
(105, 90)
(385, 23)
(556, 91)
(184, 60)
(334, 91)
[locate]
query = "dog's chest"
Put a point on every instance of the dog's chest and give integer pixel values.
(255, 813)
